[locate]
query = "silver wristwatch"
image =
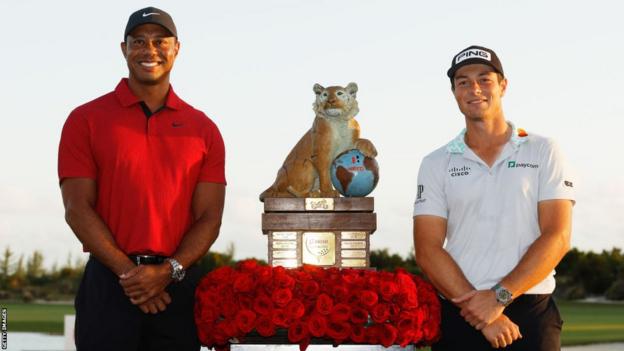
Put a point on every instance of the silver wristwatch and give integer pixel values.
(177, 271)
(503, 296)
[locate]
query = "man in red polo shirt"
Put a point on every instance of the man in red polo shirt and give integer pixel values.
(143, 184)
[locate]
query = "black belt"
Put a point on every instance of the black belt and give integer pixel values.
(147, 259)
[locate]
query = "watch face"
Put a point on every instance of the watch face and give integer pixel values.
(503, 295)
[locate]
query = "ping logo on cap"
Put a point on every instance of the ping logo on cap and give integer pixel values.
(473, 53)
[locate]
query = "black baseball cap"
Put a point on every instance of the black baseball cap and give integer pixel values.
(475, 54)
(150, 15)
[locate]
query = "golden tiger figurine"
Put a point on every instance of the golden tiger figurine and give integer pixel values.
(305, 172)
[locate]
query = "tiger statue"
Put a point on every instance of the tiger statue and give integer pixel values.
(306, 170)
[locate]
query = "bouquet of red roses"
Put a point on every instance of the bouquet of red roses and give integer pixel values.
(343, 305)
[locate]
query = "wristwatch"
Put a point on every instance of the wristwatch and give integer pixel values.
(177, 271)
(503, 296)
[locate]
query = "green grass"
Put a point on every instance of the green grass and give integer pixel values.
(34, 317)
(589, 323)
(585, 323)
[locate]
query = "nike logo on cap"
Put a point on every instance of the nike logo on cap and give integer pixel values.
(151, 13)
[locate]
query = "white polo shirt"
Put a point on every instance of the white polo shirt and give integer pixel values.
(491, 213)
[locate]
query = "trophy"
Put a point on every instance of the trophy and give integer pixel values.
(306, 220)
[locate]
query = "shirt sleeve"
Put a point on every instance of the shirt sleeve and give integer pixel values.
(213, 167)
(430, 197)
(75, 156)
(555, 178)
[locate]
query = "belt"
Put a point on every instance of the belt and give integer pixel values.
(147, 259)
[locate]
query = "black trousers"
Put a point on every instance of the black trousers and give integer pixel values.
(107, 320)
(537, 317)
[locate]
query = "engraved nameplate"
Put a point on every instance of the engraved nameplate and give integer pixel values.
(353, 235)
(354, 263)
(319, 248)
(319, 204)
(353, 253)
(285, 254)
(284, 244)
(284, 263)
(353, 245)
(284, 235)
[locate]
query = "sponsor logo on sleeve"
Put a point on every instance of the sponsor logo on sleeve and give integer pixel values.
(514, 164)
(419, 199)
(568, 184)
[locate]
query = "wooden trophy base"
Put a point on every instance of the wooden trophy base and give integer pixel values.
(327, 232)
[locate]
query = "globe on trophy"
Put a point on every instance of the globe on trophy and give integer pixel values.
(354, 174)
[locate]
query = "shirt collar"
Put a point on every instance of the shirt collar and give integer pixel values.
(127, 98)
(458, 145)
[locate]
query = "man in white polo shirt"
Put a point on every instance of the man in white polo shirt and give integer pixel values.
(492, 219)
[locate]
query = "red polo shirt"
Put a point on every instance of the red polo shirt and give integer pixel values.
(146, 169)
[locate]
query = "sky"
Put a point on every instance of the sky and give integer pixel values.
(251, 65)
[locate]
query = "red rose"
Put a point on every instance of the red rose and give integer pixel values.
(317, 325)
(388, 335)
(388, 290)
(353, 279)
(316, 272)
(339, 331)
(301, 275)
(245, 320)
(265, 326)
(324, 304)
(340, 293)
(281, 296)
(373, 334)
(359, 315)
(297, 331)
(358, 333)
(395, 312)
(245, 302)
(405, 338)
(340, 313)
(247, 265)
(295, 309)
(203, 333)
(229, 328)
(220, 335)
(282, 280)
(243, 283)
(372, 280)
(304, 343)
(310, 288)
(407, 299)
(280, 318)
(405, 281)
(262, 304)
(380, 313)
(406, 322)
(368, 298)
(229, 307)
(205, 313)
(263, 275)
(354, 298)
(219, 276)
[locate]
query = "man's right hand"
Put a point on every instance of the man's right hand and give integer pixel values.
(156, 304)
(502, 332)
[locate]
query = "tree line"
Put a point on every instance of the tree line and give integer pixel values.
(579, 275)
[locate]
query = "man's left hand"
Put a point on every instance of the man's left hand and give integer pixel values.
(145, 281)
(479, 307)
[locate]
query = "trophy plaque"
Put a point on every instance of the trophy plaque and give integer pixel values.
(326, 232)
